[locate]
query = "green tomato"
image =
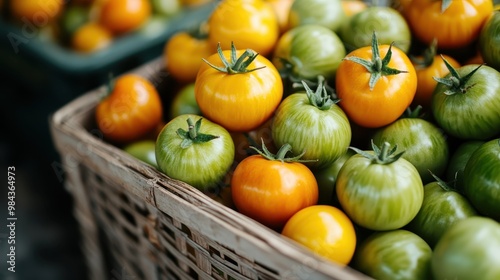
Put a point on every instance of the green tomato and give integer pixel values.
(388, 23)
(489, 41)
(166, 7)
(458, 160)
(308, 51)
(327, 177)
(397, 254)
(379, 190)
(424, 144)
(184, 102)
(469, 111)
(442, 207)
(73, 17)
(327, 13)
(469, 250)
(318, 127)
(143, 150)
(194, 150)
(482, 179)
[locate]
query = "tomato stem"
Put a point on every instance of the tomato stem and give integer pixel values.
(381, 155)
(377, 67)
(193, 135)
(281, 154)
(319, 98)
(455, 82)
(444, 186)
(428, 56)
(236, 65)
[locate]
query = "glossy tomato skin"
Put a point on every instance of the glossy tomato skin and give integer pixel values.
(395, 254)
(389, 25)
(472, 115)
(131, 111)
(325, 230)
(489, 41)
(482, 179)
(249, 24)
(423, 143)
(468, 250)
(183, 54)
(327, 13)
(458, 26)
(202, 165)
(238, 102)
(121, 16)
(310, 50)
(457, 162)
(379, 196)
(324, 135)
(184, 102)
(143, 150)
(388, 99)
(440, 210)
(270, 192)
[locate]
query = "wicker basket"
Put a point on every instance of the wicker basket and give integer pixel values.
(137, 223)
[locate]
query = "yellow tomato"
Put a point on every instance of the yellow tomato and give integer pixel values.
(325, 230)
(39, 12)
(91, 37)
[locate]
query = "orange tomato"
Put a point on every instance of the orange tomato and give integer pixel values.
(238, 99)
(272, 191)
(39, 12)
(183, 55)
(376, 104)
(121, 16)
(352, 7)
(458, 26)
(325, 230)
(132, 110)
(250, 24)
(91, 37)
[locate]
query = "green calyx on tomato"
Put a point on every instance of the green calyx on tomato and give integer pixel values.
(377, 66)
(319, 98)
(193, 135)
(444, 5)
(428, 56)
(237, 65)
(455, 82)
(381, 155)
(281, 154)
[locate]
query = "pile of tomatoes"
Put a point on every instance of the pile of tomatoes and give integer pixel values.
(87, 26)
(369, 134)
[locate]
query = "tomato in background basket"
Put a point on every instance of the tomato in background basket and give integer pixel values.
(325, 230)
(465, 103)
(270, 188)
(131, 111)
(91, 37)
(396, 254)
(455, 24)
(184, 102)
(352, 7)
(327, 13)
(121, 16)
(183, 54)
(250, 24)
(375, 90)
(194, 150)
(38, 12)
(238, 89)
(143, 150)
(378, 189)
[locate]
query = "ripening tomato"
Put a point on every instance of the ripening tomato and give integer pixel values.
(238, 89)
(352, 7)
(455, 26)
(250, 24)
(489, 40)
(327, 13)
(131, 111)
(91, 37)
(325, 230)
(375, 91)
(282, 10)
(38, 12)
(183, 54)
(121, 16)
(272, 188)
